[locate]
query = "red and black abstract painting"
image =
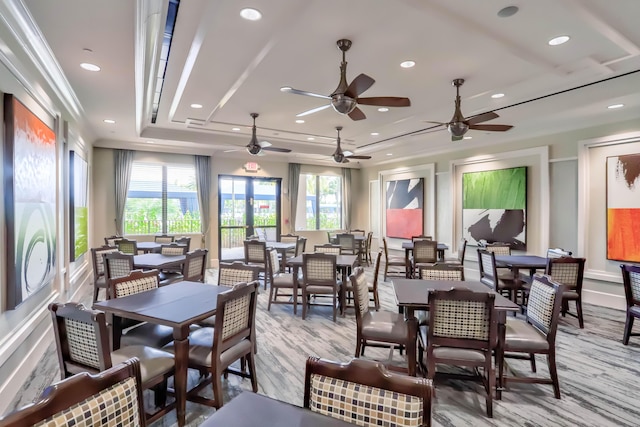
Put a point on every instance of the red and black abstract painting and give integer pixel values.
(405, 207)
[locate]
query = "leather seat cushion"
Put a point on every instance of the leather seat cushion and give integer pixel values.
(101, 282)
(316, 289)
(201, 347)
(570, 295)
(283, 280)
(153, 362)
(384, 326)
(521, 336)
(147, 334)
(396, 260)
(449, 354)
(635, 310)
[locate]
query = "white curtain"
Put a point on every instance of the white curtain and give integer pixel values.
(294, 183)
(346, 198)
(203, 183)
(123, 160)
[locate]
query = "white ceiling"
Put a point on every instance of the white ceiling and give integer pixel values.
(234, 67)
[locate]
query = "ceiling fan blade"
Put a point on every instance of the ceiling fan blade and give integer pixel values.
(303, 92)
(345, 160)
(359, 85)
(360, 157)
(491, 128)
(482, 118)
(347, 153)
(357, 114)
(456, 138)
(276, 149)
(385, 101)
(261, 153)
(313, 110)
(437, 123)
(264, 144)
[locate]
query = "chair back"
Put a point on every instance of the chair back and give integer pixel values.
(127, 246)
(255, 251)
(164, 238)
(117, 264)
(376, 271)
(386, 249)
(425, 251)
(462, 318)
(442, 272)
(101, 400)
(462, 248)
(544, 305)
(363, 392)
(499, 248)
(347, 242)
(558, 253)
(274, 263)
(135, 282)
(567, 271)
(111, 240)
(328, 249)
(236, 272)
(173, 249)
(184, 240)
(97, 258)
(289, 238)
(360, 294)
(194, 266)
(319, 269)
(235, 318)
(422, 237)
(631, 280)
(357, 231)
(487, 267)
(369, 239)
(300, 245)
(82, 338)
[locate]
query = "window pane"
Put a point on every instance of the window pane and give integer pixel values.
(311, 202)
(321, 199)
(183, 212)
(143, 209)
(330, 206)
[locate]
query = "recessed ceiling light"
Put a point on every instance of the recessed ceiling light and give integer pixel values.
(389, 154)
(497, 95)
(374, 134)
(558, 40)
(615, 106)
(467, 137)
(235, 129)
(109, 121)
(508, 11)
(407, 64)
(310, 138)
(299, 121)
(251, 14)
(89, 67)
(196, 106)
(383, 109)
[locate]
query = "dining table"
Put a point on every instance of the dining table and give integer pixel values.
(158, 261)
(517, 262)
(251, 409)
(413, 294)
(178, 306)
(408, 248)
(147, 247)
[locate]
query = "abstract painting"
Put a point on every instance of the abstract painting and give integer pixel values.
(494, 206)
(30, 201)
(78, 182)
(405, 207)
(623, 208)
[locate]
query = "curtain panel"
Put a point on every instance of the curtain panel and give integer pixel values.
(346, 198)
(123, 160)
(203, 182)
(294, 183)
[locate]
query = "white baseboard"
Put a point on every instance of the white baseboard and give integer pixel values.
(604, 300)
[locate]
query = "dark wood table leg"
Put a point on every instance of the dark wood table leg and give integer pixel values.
(411, 349)
(181, 346)
(407, 264)
(502, 329)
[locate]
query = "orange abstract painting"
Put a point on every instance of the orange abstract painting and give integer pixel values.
(623, 208)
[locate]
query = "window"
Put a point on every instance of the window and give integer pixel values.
(321, 198)
(162, 199)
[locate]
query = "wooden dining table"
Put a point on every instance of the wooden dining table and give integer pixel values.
(178, 306)
(251, 409)
(157, 261)
(413, 294)
(147, 247)
(517, 262)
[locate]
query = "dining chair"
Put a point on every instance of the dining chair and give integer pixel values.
(463, 332)
(173, 249)
(631, 281)
(99, 276)
(82, 344)
(289, 238)
(98, 400)
(328, 248)
(232, 338)
(348, 243)
(421, 237)
(184, 240)
(505, 284)
(357, 232)
(569, 272)
(365, 393)
(380, 328)
(393, 261)
(195, 265)
(535, 334)
(320, 278)
(255, 254)
(425, 253)
(498, 248)
(281, 280)
(127, 246)
(558, 253)
(459, 258)
(171, 274)
(236, 272)
(116, 264)
(441, 272)
(134, 331)
(367, 248)
(164, 238)
(111, 240)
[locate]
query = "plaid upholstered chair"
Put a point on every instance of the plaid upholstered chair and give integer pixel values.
(348, 243)
(425, 253)
(195, 265)
(172, 249)
(116, 264)
(364, 393)
(536, 334)
(320, 278)
(148, 334)
(164, 238)
(498, 248)
(380, 328)
(99, 276)
(393, 261)
(232, 338)
(568, 272)
(82, 343)
(631, 280)
(328, 248)
(100, 400)
(441, 272)
(255, 254)
(505, 284)
(127, 246)
(111, 240)
(280, 280)
(463, 332)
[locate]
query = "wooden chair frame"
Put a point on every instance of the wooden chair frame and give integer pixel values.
(633, 301)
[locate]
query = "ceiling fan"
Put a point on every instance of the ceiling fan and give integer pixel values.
(345, 98)
(256, 148)
(340, 156)
(459, 125)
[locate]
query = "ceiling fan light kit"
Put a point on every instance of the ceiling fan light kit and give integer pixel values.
(340, 156)
(256, 148)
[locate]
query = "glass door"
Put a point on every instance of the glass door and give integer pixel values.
(247, 206)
